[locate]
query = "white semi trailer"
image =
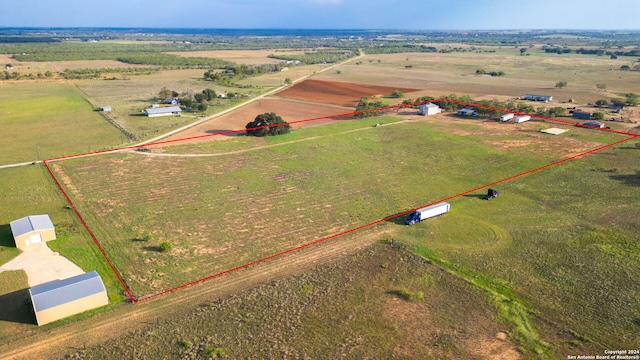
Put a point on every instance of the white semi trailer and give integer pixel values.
(521, 119)
(507, 117)
(427, 212)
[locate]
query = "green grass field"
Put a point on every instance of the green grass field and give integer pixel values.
(564, 240)
(130, 97)
(31, 191)
(544, 243)
(41, 120)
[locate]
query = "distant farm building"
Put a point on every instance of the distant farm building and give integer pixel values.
(592, 124)
(429, 109)
(163, 111)
(583, 115)
(542, 98)
(171, 101)
(616, 107)
(105, 109)
(59, 299)
(32, 229)
(467, 112)
(155, 106)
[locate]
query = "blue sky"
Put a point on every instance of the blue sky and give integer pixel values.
(325, 14)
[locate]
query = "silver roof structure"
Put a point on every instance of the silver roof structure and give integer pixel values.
(29, 224)
(58, 292)
(163, 110)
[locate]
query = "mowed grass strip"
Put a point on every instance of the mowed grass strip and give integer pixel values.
(222, 212)
(42, 120)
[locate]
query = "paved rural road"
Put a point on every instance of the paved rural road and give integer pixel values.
(203, 120)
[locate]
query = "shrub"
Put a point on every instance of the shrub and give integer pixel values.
(397, 94)
(212, 352)
(409, 295)
(185, 343)
(165, 246)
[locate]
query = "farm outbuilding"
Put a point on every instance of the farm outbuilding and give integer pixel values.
(59, 299)
(163, 111)
(467, 112)
(543, 98)
(429, 109)
(32, 230)
(583, 115)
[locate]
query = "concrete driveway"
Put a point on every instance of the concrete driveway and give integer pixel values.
(42, 265)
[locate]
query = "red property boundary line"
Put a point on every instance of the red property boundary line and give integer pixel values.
(133, 299)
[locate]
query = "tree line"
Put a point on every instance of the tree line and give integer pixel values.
(318, 57)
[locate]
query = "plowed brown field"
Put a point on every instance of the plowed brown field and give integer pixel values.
(338, 93)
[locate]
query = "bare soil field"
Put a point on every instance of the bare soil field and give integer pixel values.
(248, 57)
(289, 111)
(338, 93)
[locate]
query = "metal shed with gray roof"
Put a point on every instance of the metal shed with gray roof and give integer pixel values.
(163, 111)
(59, 299)
(32, 230)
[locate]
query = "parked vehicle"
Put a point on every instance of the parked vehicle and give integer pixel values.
(523, 118)
(507, 117)
(491, 194)
(427, 212)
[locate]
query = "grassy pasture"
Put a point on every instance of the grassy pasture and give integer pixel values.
(443, 73)
(130, 97)
(565, 240)
(225, 211)
(42, 120)
(350, 309)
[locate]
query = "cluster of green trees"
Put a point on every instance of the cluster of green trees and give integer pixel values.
(627, 67)
(492, 73)
(366, 108)
(87, 73)
(171, 61)
(630, 99)
(227, 75)
(142, 54)
(267, 124)
(5, 75)
(398, 48)
(583, 51)
(317, 57)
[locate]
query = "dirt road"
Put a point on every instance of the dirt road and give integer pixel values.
(71, 337)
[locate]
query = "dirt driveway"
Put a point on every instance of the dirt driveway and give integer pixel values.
(42, 265)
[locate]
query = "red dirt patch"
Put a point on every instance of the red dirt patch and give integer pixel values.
(338, 93)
